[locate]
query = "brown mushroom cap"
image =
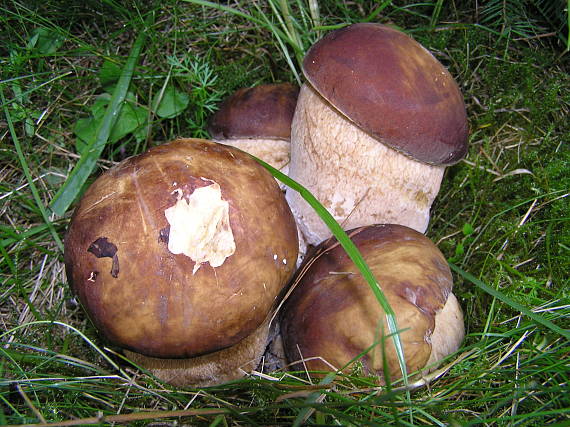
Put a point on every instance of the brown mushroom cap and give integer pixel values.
(263, 111)
(392, 88)
(332, 315)
(149, 284)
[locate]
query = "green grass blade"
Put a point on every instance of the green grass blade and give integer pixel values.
(502, 297)
(28, 174)
(354, 255)
(311, 401)
(15, 236)
(378, 10)
(227, 9)
(265, 22)
(568, 25)
(72, 186)
(75, 330)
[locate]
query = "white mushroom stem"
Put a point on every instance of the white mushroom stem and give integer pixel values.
(356, 177)
(272, 151)
(448, 333)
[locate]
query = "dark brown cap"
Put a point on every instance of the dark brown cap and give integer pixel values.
(263, 111)
(392, 88)
(333, 315)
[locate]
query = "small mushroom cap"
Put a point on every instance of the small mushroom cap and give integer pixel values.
(182, 250)
(393, 88)
(332, 315)
(263, 111)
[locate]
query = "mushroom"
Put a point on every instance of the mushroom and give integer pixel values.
(258, 120)
(375, 125)
(332, 315)
(178, 256)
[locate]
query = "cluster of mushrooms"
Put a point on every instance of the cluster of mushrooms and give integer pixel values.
(187, 256)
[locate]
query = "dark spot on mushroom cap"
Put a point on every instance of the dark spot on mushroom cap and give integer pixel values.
(392, 88)
(102, 248)
(164, 234)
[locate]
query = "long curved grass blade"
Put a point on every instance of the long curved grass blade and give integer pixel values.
(74, 183)
(502, 297)
(354, 255)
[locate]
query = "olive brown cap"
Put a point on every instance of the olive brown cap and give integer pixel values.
(332, 316)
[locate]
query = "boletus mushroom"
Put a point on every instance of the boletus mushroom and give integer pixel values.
(258, 120)
(178, 255)
(332, 316)
(375, 125)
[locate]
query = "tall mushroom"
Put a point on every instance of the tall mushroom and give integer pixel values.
(332, 316)
(258, 120)
(375, 125)
(178, 255)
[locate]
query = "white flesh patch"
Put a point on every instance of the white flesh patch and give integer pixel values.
(200, 227)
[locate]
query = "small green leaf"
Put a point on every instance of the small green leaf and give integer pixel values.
(140, 133)
(33, 40)
(100, 105)
(459, 250)
(45, 41)
(86, 131)
(54, 176)
(131, 119)
(109, 74)
(29, 126)
(468, 229)
(172, 103)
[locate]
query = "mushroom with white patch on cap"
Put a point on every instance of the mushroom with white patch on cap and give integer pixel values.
(375, 125)
(171, 254)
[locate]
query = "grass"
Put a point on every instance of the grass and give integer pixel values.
(501, 217)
